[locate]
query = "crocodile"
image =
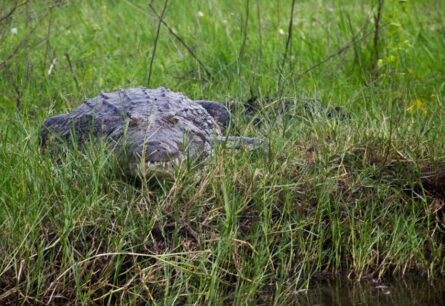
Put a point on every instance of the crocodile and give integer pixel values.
(147, 129)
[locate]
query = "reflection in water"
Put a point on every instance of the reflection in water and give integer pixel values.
(407, 291)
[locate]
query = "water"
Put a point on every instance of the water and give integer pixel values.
(407, 291)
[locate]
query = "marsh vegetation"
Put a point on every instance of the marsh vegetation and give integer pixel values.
(361, 197)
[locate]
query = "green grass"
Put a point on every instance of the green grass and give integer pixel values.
(330, 197)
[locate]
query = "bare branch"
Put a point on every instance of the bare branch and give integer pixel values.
(23, 42)
(161, 18)
(260, 34)
(245, 27)
(289, 33)
(9, 14)
(182, 41)
(14, 51)
(358, 37)
(286, 50)
(377, 26)
(174, 34)
(73, 73)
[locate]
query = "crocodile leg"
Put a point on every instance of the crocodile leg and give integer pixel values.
(218, 111)
(238, 142)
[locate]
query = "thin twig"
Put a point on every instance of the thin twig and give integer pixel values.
(288, 43)
(377, 26)
(73, 73)
(161, 18)
(357, 58)
(254, 90)
(260, 34)
(9, 14)
(245, 27)
(14, 85)
(175, 35)
(182, 41)
(48, 35)
(22, 43)
(340, 51)
(18, 98)
(289, 33)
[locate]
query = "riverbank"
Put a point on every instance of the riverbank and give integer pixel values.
(360, 195)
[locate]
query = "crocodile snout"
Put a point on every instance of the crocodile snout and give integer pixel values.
(157, 151)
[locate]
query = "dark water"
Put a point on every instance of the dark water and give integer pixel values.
(407, 291)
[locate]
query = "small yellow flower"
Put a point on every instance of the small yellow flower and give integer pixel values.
(407, 44)
(281, 31)
(391, 58)
(380, 63)
(200, 14)
(416, 105)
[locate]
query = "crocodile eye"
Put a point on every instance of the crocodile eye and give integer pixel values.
(135, 120)
(172, 119)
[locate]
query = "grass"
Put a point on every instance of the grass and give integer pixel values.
(331, 197)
